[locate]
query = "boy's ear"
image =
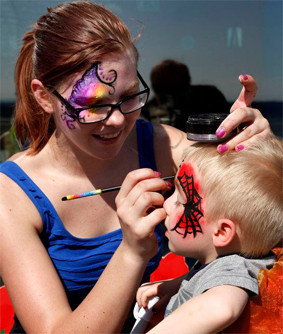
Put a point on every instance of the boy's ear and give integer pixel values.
(42, 96)
(224, 233)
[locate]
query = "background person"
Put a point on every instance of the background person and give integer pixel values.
(176, 98)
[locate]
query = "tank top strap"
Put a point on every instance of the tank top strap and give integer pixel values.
(39, 199)
(145, 144)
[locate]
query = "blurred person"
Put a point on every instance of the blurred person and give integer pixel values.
(176, 98)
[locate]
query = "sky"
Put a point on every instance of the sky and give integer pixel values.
(217, 40)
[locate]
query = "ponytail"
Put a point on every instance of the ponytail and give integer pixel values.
(31, 122)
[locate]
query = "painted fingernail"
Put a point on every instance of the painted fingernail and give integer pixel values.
(222, 148)
(169, 184)
(158, 174)
(220, 132)
(244, 76)
(240, 147)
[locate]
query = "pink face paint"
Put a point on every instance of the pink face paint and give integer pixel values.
(95, 85)
(91, 88)
(189, 222)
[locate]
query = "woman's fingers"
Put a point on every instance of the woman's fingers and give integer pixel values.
(247, 93)
(140, 209)
(143, 188)
(133, 178)
(138, 183)
(252, 127)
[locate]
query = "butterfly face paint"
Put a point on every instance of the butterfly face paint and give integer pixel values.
(95, 85)
(189, 222)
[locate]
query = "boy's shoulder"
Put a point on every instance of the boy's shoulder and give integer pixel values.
(232, 269)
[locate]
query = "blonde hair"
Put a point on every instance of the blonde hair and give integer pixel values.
(245, 187)
(65, 40)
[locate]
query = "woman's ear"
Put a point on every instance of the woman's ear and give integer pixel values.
(224, 233)
(42, 96)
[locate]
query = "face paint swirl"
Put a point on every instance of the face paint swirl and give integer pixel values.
(95, 85)
(189, 220)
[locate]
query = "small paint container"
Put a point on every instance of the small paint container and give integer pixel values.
(203, 128)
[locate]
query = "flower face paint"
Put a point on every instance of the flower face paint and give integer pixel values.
(189, 222)
(95, 86)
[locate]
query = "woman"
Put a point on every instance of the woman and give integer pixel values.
(54, 252)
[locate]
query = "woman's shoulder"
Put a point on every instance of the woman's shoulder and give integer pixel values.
(14, 202)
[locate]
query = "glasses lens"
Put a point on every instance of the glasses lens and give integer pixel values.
(127, 106)
(134, 103)
(93, 114)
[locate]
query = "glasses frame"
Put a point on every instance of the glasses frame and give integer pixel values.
(76, 111)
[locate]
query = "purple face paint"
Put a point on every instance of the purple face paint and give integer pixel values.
(95, 85)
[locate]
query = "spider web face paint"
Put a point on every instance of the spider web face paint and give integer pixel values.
(189, 220)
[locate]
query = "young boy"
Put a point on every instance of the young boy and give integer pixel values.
(227, 213)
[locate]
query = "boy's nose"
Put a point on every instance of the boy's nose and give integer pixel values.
(167, 205)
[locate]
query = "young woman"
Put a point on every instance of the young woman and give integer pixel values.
(79, 97)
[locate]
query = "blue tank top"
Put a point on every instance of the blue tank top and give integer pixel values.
(80, 262)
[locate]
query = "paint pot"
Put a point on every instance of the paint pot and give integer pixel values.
(202, 128)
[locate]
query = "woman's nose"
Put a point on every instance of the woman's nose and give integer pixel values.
(116, 118)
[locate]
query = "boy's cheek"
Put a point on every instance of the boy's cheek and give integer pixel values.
(175, 217)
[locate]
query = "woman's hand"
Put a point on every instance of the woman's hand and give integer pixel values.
(253, 126)
(139, 209)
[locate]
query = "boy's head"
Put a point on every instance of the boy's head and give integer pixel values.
(229, 203)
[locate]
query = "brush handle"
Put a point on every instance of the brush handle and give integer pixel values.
(100, 191)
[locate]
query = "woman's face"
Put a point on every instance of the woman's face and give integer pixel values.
(106, 82)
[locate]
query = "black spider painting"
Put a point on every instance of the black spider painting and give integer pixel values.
(189, 221)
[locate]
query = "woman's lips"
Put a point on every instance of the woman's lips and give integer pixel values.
(108, 136)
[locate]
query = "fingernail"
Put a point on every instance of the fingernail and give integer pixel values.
(240, 147)
(244, 76)
(222, 148)
(220, 132)
(158, 174)
(169, 184)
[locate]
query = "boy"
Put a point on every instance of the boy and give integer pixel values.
(227, 213)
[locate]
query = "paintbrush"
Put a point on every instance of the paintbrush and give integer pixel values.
(100, 191)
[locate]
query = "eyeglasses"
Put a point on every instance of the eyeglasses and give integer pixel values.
(100, 112)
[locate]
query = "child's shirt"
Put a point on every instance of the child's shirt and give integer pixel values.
(233, 270)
